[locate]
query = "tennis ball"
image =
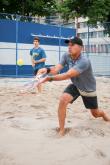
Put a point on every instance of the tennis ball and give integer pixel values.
(20, 62)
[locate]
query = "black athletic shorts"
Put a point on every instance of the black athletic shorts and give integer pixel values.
(90, 102)
(35, 72)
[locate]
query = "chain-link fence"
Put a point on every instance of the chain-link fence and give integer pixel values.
(96, 40)
(16, 38)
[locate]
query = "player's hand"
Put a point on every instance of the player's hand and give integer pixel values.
(42, 71)
(45, 79)
(34, 61)
(33, 65)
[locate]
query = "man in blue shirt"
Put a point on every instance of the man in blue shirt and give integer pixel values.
(83, 82)
(38, 58)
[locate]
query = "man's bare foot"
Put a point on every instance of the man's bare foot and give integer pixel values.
(61, 132)
(106, 118)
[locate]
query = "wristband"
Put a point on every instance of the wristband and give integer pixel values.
(51, 78)
(48, 70)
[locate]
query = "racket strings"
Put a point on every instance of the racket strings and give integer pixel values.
(31, 85)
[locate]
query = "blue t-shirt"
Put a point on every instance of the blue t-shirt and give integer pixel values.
(85, 81)
(37, 54)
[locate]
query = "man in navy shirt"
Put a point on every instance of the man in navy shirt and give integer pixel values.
(38, 58)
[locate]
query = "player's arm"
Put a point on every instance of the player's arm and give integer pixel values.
(33, 62)
(55, 70)
(52, 70)
(69, 74)
(73, 72)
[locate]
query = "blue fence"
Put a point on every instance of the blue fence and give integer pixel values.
(16, 38)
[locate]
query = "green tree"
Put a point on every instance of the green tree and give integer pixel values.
(28, 7)
(73, 8)
(95, 10)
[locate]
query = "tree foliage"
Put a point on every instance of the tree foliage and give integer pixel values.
(28, 7)
(95, 10)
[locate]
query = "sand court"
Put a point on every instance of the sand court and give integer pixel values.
(28, 127)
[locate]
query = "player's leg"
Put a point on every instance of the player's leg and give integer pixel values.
(39, 87)
(70, 94)
(99, 113)
(92, 104)
(64, 101)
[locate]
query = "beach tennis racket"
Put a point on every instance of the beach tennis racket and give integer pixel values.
(29, 86)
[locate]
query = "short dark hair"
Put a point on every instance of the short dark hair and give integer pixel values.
(37, 39)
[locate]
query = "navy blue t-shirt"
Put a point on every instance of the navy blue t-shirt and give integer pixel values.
(37, 54)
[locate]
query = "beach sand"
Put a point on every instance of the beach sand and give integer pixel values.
(28, 125)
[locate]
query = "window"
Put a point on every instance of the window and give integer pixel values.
(108, 48)
(100, 34)
(93, 49)
(83, 25)
(102, 48)
(82, 35)
(93, 34)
